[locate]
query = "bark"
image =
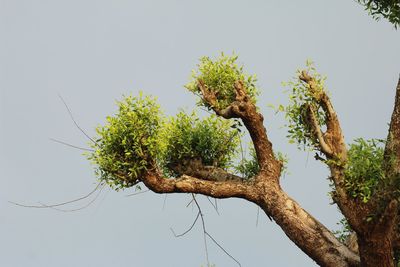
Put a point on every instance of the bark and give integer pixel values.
(244, 109)
(376, 245)
(392, 149)
(306, 232)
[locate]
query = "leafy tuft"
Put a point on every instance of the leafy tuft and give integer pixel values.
(128, 142)
(211, 139)
(219, 76)
(300, 97)
(364, 168)
(388, 9)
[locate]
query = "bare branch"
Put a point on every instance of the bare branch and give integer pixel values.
(207, 234)
(77, 209)
(62, 203)
(189, 229)
(73, 146)
(138, 193)
(213, 205)
(317, 132)
(73, 119)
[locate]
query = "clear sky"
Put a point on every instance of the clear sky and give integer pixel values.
(92, 52)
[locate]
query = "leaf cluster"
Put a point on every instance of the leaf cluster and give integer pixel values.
(127, 142)
(301, 97)
(388, 9)
(211, 139)
(345, 231)
(364, 168)
(219, 76)
(248, 168)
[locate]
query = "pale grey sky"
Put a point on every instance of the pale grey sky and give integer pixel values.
(92, 52)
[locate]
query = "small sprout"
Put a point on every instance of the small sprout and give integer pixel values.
(127, 142)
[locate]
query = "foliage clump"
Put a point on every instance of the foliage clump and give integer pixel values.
(219, 76)
(388, 9)
(127, 142)
(211, 139)
(248, 167)
(345, 231)
(364, 168)
(301, 98)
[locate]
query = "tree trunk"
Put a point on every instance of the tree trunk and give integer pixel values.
(376, 251)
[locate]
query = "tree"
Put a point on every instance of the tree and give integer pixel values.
(187, 154)
(388, 9)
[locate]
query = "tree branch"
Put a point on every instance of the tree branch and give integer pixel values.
(317, 132)
(244, 109)
(333, 135)
(305, 231)
(392, 149)
(188, 184)
(332, 144)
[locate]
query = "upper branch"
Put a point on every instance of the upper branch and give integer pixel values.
(392, 149)
(245, 109)
(332, 142)
(317, 132)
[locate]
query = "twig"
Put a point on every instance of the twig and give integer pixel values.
(258, 215)
(138, 193)
(205, 233)
(77, 209)
(73, 146)
(59, 204)
(204, 228)
(214, 205)
(226, 252)
(73, 119)
(189, 229)
(165, 201)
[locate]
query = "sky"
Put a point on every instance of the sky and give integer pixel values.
(93, 52)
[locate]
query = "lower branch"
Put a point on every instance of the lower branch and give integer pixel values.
(188, 184)
(306, 232)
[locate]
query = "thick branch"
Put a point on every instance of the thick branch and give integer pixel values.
(305, 231)
(333, 135)
(244, 109)
(392, 149)
(332, 144)
(188, 184)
